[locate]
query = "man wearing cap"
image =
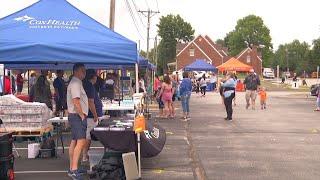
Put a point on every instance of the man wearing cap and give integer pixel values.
(251, 84)
(95, 108)
(77, 102)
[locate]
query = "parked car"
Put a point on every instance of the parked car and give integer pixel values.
(268, 73)
(313, 89)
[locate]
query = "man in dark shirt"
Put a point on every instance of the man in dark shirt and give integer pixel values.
(95, 107)
(60, 92)
(252, 83)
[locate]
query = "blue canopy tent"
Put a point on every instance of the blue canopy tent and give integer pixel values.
(54, 31)
(143, 62)
(200, 65)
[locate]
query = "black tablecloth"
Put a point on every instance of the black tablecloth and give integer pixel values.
(152, 140)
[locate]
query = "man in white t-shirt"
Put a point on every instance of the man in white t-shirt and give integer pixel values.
(78, 108)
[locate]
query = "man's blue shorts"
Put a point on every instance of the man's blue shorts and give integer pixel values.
(78, 126)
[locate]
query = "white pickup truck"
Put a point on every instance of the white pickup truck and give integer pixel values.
(268, 73)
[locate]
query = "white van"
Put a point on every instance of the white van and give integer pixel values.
(268, 73)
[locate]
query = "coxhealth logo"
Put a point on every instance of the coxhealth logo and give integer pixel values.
(48, 23)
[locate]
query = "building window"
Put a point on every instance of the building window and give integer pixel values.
(248, 59)
(191, 52)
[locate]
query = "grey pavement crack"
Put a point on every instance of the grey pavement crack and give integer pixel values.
(197, 167)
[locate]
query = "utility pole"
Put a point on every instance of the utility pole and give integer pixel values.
(156, 50)
(149, 13)
(112, 14)
(287, 58)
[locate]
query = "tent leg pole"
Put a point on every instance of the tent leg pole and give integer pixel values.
(139, 155)
(4, 80)
(28, 81)
(137, 78)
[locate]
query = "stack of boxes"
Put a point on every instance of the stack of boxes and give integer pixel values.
(19, 115)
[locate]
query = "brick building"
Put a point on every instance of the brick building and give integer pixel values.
(252, 57)
(202, 47)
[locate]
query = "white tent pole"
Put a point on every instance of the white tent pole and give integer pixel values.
(139, 154)
(137, 78)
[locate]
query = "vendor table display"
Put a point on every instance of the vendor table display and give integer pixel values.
(124, 105)
(119, 135)
(19, 116)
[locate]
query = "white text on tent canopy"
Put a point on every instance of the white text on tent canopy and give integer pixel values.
(50, 23)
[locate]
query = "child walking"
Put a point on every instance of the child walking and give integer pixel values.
(263, 98)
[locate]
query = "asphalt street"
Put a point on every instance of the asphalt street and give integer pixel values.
(281, 142)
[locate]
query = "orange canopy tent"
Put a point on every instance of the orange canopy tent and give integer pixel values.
(234, 64)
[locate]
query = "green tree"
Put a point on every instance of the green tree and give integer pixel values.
(221, 42)
(152, 58)
(296, 55)
(250, 30)
(172, 29)
(314, 55)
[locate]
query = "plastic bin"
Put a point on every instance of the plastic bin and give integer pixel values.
(33, 150)
(95, 155)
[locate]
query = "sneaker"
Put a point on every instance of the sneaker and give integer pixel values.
(82, 171)
(184, 119)
(69, 173)
(228, 119)
(76, 175)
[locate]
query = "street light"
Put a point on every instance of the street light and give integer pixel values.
(287, 58)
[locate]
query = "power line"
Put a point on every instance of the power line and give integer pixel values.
(136, 8)
(149, 14)
(133, 18)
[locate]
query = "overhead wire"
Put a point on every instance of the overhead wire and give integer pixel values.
(139, 15)
(133, 18)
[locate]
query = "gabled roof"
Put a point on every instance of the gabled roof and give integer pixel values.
(208, 42)
(244, 51)
(218, 47)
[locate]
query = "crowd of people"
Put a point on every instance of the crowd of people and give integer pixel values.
(172, 88)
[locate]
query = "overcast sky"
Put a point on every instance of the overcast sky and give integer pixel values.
(287, 20)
